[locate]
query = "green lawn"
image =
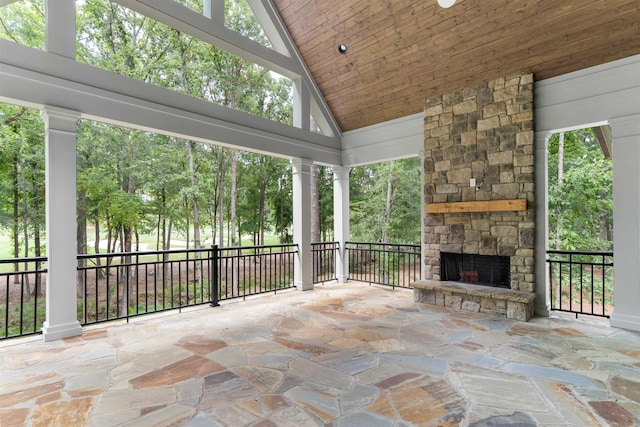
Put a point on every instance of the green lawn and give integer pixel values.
(6, 244)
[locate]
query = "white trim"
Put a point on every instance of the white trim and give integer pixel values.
(591, 95)
(596, 96)
(281, 40)
(394, 139)
(35, 78)
(284, 58)
(182, 18)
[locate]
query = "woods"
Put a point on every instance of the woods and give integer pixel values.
(132, 183)
(580, 193)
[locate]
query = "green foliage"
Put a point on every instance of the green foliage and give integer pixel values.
(23, 23)
(31, 317)
(581, 207)
(371, 187)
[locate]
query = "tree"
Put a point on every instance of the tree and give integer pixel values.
(385, 202)
(580, 193)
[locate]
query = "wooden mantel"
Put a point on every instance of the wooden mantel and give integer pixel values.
(480, 206)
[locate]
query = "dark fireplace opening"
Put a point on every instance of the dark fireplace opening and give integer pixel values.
(488, 270)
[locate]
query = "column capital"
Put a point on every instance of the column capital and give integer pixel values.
(625, 126)
(341, 172)
(301, 165)
(59, 118)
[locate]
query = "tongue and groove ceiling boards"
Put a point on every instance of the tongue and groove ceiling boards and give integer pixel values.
(400, 52)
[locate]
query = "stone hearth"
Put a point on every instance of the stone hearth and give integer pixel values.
(499, 302)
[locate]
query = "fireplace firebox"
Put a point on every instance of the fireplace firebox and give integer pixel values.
(487, 270)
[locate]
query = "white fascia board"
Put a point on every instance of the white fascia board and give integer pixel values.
(4, 3)
(394, 139)
(34, 78)
(278, 33)
(589, 96)
(189, 22)
(270, 26)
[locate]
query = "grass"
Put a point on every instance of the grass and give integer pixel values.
(28, 323)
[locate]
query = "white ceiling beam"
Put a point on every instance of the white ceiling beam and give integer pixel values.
(34, 78)
(4, 3)
(189, 22)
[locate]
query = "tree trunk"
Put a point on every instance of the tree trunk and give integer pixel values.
(221, 208)
(234, 196)
(96, 247)
(194, 198)
(37, 246)
(604, 226)
(25, 233)
(15, 226)
(560, 182)
(387, 206)
(315, 205)
(81, 240)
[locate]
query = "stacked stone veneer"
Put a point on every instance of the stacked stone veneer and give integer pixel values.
(483, 132)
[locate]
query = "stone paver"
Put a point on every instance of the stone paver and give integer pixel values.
(342, 355)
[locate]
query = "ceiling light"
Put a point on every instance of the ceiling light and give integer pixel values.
(446, 3)
(342, 48)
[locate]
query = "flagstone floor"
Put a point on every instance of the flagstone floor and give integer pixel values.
(341, 355)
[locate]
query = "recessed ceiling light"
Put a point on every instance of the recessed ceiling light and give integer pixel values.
(446, 3)
(342, 48)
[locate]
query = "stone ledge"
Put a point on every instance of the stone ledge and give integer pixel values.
(500, 302)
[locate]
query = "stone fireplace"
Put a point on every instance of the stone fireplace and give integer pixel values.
(479, 178)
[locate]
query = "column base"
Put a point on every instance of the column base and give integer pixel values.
(56, 332)
(343, 279)
(625, 321)
(543, 310)
(303, 286)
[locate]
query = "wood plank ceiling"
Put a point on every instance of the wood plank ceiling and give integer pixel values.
(401, 52)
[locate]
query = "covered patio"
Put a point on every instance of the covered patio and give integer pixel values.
(344, 355)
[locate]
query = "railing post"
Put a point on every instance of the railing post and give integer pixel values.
(213, 276)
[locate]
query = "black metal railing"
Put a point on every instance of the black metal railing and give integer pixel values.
(116, 286)
(581, 282)
(384, 263)
(123, 285)
(22, 283)
(324, 261)
(252, 270)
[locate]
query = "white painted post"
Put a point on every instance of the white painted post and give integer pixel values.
(542, 286)
(422, 217)
(301, 105)
(60, 170)
(60, 27)
(214, 10)
(341, 219)
(626, 222)
(303, 272)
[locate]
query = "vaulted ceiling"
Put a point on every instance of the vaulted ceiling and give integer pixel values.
(402, 51)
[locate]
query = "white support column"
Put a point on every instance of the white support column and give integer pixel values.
(341, 219)
(626, 222)
(301, 105)
(60, 169)
(543, 304)
(60, 27)
(422, 217)
(303, 272)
